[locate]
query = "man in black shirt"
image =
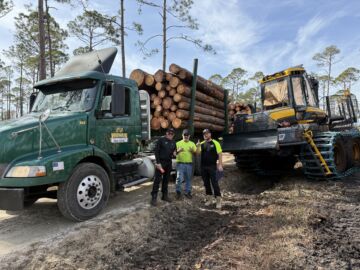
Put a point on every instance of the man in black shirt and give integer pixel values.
(211, 160)
(164, 151)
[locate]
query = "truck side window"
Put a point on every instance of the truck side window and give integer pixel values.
(106, 102)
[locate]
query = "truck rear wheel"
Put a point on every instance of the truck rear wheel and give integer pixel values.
(85, 193)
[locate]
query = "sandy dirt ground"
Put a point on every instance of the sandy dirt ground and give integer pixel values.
(265, 223)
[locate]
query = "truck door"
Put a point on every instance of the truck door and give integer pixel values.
(116, 134)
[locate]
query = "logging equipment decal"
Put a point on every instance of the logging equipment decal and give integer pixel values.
(119, 136)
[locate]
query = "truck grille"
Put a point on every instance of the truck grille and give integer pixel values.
(2, 169)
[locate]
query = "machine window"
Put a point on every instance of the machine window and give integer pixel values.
(310, 95)
(276, 94)
(298, 91)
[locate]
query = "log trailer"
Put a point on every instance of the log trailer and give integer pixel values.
(291, 127)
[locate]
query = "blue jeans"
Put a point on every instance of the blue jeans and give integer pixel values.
(183, 173)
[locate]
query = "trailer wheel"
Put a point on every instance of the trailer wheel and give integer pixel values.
(85, 193)
(353, 152)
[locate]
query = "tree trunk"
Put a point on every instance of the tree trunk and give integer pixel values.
(21, 90)
(52, 72)
(42, 62)
(164, 34)
(122, 37)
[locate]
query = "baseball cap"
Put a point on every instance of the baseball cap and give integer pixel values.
(186, 132)
(206, 130)
(170, 130)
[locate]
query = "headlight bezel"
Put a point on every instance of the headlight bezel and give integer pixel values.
(26, 171)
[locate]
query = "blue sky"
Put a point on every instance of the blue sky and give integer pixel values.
(266, 35)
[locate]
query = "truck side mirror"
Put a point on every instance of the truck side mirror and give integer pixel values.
(117, 99)
(32, 100)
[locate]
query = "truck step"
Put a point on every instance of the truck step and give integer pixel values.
(136, 182)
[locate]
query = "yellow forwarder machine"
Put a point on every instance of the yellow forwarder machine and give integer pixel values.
(292, 127)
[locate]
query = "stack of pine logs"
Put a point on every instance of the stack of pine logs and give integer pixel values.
(170, 94)
(236, 108)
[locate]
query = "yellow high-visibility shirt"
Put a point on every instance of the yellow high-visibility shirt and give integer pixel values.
(186, 155)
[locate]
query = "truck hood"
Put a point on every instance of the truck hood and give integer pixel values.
(21, 136)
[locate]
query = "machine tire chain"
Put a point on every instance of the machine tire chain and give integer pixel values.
(325, 142)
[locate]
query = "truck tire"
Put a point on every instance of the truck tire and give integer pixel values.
(85, 193)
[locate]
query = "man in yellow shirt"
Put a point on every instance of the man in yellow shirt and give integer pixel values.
(184, 158)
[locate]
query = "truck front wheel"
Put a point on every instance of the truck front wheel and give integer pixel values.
(85, 193)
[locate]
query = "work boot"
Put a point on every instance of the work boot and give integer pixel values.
(165, 197)
(178, 195)
(153, 201)
(209, 200)
(218, 202)
(188, 195)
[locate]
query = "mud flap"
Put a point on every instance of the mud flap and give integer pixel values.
(11, 199)
(258, 140)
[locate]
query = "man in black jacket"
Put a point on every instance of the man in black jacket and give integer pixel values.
(164, 151)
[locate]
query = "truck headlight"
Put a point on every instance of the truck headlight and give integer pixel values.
(27, 171)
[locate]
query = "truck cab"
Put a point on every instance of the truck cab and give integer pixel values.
(80, 141)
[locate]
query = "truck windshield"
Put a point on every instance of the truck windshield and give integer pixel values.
(73, 96)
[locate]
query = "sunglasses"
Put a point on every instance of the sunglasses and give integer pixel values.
(186, 135)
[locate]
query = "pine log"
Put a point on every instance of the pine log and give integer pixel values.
(157, 114)
(200, 109)
(164, 123)
(157, 101)
(178, 123)
(149, 80)
(205, 86)
(168, 88)
(162, 94)
(174, 82)
(199, 106)
(183, 114)
(159, 76)
(168, 76)
(165, 113)
(186, 91)
(158, 108)
(173, 108)
(160, 86)
(167, 103)
(155, 123)
(179, 98)
(152, 105)
(138, 76)
(152, 96)
(172, 92)
(171, 116)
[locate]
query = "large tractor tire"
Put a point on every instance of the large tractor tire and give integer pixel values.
(340, 156)
(85, 193)
(354, 152)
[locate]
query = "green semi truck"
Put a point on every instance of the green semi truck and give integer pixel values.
(82, 140)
